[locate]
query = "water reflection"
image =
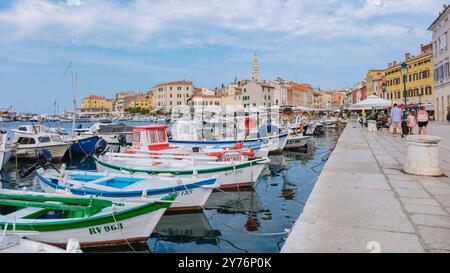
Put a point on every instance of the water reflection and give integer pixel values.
(185, 228)
(235, 201)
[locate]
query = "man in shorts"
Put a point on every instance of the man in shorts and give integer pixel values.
(396, 119)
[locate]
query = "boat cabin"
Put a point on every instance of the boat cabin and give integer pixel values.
(150, 138)
(34, 135)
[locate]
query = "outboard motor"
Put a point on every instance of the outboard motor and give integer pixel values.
(100, 148)
(122, 140)
(44, 158)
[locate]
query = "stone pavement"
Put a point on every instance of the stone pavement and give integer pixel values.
(363, 202)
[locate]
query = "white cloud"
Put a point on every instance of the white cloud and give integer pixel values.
(142, 23)
(73, 2)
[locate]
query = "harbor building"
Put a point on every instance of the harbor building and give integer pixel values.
(169, 94)
(230, 95)
(441, 55)
(419, 80)
(299, 94)
(94, 102)
(374, 80)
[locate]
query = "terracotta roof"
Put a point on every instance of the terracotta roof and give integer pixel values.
(93, 97)
(267, 85)
(205, 96)
(175, 83)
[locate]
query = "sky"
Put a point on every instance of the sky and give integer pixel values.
(132, 45)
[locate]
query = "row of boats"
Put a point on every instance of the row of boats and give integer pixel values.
(142, 172)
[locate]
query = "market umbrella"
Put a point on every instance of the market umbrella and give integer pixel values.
(370, 102)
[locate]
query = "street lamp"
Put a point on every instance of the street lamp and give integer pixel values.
(404, 72)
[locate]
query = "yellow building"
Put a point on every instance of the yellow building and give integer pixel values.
(93, 102)
(419, 80)
(374, 79)
(316, 99)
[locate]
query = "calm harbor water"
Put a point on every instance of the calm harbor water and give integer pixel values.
(246, 220)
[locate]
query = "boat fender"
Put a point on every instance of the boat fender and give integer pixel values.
(248, 152)
(216, 154)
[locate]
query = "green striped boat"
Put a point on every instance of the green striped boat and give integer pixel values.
(230, 174)
(54, 219)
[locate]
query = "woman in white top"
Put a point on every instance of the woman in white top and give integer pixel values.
(422, 119)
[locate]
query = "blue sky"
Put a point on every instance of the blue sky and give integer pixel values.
(118, 45)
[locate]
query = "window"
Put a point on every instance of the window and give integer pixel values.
(443, 41)
(44, 139)
(152, 136)
(161, 136)
(26, 141)
(136, 137)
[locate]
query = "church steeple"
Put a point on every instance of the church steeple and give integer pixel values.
(255, 68)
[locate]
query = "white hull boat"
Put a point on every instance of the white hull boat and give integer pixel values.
(5, 149)
(55, 218)
(297, 141)
(30, 138)
(192, 193)
(230, 174)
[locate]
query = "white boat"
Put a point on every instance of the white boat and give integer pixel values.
(297, 141)
(230, 174)
(192, 134)
(5, 149)
(192, 192)
(55, 218)
(12, 243)
(109, 132)
(152, 140)
(29, 138)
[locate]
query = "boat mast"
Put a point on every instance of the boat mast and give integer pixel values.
(74, 90)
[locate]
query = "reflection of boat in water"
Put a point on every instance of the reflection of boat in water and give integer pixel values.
(277, 164)
(186, 228)
(236, 201)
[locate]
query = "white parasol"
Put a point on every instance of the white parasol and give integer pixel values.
(370, 102)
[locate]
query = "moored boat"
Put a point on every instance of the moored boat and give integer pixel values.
(230, 174)
(29, 138)
(297, 141)
(5, 149)
(192, 193)
(54, 219)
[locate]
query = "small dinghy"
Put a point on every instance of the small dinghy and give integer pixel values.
(54, 219)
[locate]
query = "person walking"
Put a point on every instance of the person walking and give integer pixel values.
(423, 118)
(396, 120)
(411, 122)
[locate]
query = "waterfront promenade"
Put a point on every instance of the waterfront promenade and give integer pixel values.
(363, 202)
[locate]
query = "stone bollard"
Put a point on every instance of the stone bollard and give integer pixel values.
(372, 125)
(422, 157)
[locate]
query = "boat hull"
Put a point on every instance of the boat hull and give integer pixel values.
(57, 151)
(84, 146)
(112, 225)
(190, 197)
(5, 155)
(297, 142)
(113, 233)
